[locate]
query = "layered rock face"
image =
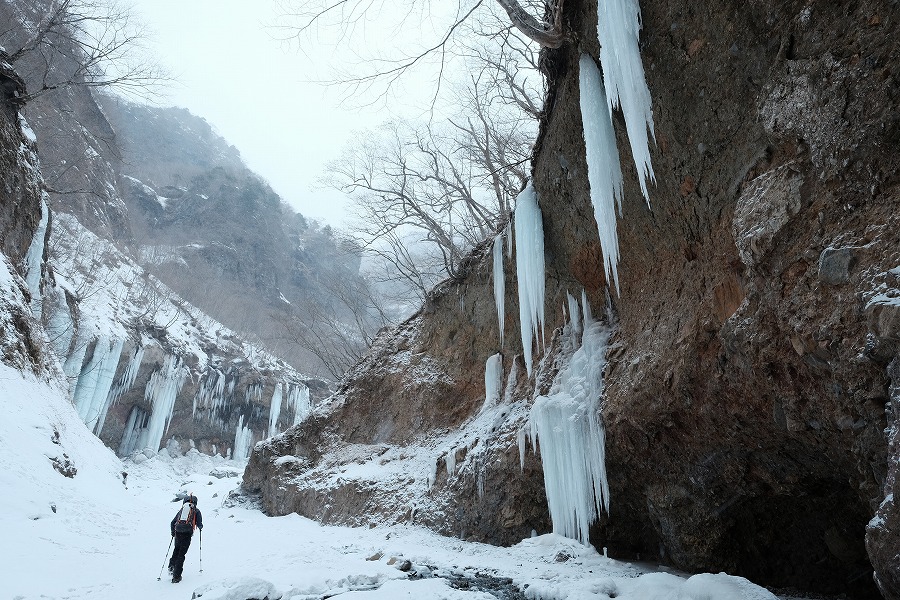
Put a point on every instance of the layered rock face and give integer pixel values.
(22, 228)
(747, 374)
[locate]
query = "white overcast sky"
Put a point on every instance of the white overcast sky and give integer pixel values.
(256, 91)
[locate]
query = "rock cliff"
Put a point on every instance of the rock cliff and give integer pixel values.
(748, 370)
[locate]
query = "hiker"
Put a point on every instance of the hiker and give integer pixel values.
(187, 518)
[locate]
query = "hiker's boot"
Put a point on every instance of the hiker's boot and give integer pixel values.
(176, 579)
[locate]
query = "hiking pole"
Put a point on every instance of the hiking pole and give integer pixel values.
(164, 560)
(201, 550)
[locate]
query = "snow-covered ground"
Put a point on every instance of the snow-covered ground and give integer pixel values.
(101, 535)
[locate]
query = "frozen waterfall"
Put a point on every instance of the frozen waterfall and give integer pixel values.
(92, 390)
(572, 439)
(35, 257)
(243, 441)
(529, 230)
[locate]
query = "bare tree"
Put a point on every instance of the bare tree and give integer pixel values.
(538, 21)
(426, 194)
(92, 43)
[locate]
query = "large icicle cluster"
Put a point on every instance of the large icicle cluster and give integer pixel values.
(618, 30)
(211, 394)
(604, 170)
(572, 439)
(499, 284)
(161, 392)
(530, 270)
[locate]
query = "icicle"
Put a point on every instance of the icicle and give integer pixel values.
(161, 392)
(618, 30)
(572, 440)
(604, 170)
(499, 285)
(275, 410)
(34, 258)
(493, 381)
(530, 270)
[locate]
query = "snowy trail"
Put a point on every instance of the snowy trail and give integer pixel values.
(90, 537)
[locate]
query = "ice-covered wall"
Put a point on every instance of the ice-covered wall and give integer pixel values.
(184, 375)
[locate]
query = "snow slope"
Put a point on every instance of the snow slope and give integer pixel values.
(98, 535)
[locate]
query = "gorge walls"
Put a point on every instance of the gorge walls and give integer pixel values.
(748, 370)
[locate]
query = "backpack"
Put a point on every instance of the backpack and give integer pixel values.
(187, 518)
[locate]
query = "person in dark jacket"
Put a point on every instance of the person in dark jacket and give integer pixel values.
(187, 518)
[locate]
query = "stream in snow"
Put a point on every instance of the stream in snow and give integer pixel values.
(102, 535)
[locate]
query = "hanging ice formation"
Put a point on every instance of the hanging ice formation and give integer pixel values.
(618, 30)
(493, 381)
(499, 284)
(92, 390)
(530, 270)
(243, 438)
(604, 171)
(572, 439)
(275, 410)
